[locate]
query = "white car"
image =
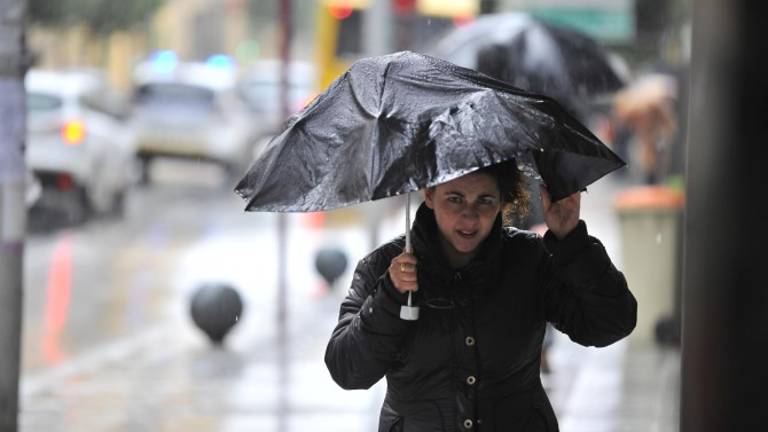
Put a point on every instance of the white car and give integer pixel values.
(191, 110)
(78, 146)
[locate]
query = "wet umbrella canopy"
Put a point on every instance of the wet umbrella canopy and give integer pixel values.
(401, 122)
(534, 55)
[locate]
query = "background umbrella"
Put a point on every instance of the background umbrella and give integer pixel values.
(556, 61)
(533, 55)
(398, 123)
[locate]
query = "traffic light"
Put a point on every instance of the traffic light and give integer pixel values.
(403, 7)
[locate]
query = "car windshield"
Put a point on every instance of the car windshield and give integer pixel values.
(41, 102)
(265, 94)
(176, 95)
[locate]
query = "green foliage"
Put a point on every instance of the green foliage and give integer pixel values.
(100, 16)
(106, 16)
(53, 12)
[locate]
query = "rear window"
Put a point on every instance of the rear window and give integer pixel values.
(40, 102)
(107, 102)
(174, 94)
(265, 94)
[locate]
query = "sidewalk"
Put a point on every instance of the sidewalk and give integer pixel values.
(627, 387)
(170, 379)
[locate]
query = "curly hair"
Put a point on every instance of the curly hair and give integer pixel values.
(515, 191)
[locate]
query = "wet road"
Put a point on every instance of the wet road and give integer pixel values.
(112, 290)
(115, 278)
(108, 344)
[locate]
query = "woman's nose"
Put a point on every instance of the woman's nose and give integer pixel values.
(470, 211)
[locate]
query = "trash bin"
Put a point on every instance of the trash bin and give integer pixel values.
(650, 223)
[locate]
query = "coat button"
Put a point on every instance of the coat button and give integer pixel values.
(470, 341)
(468, 423)
(471, 380)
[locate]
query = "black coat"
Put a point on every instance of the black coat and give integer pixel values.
(471, 361)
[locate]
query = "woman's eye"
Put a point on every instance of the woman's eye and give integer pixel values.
(454, 200)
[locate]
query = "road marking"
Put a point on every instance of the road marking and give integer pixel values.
(57, 297)
(34, 383)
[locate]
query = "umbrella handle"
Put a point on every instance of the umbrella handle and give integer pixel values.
(408, 312)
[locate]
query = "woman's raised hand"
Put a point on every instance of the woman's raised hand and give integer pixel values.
(562, 216)
(402, 271)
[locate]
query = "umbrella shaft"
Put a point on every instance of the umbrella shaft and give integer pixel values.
(408, 248)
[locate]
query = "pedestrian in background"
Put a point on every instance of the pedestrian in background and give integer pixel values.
(646, 109)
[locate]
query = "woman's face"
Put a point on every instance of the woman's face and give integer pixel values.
(465, 209)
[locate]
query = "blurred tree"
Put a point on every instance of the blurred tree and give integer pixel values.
(99, 16)
(56, 13)
(106, 16)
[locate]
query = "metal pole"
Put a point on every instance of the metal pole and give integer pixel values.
(12, 207)
(725, 283)
(377, 40)
(286, 30)
(286, 35)
(377, 22)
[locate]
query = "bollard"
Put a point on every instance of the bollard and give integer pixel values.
(216, 308)
(331, 264)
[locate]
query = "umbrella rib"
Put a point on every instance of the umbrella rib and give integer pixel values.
(373, 168)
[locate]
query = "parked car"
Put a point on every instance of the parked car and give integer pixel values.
(78, 146)
(191, 110)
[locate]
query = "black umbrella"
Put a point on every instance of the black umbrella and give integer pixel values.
(534, 55)
(398, 123)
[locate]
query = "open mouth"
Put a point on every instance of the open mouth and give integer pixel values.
(467, 234)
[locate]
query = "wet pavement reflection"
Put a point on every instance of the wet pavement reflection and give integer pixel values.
(109, 345)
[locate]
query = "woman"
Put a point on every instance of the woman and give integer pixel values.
(471, 360)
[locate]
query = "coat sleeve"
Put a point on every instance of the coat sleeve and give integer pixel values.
(367, 339)
(585, 296)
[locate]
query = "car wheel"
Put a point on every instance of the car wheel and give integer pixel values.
(117, 209)
(78, 209)
(144, 168)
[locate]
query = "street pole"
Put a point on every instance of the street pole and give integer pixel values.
(12, 206)
(286, 36)
(378, 22)
(725, 282)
